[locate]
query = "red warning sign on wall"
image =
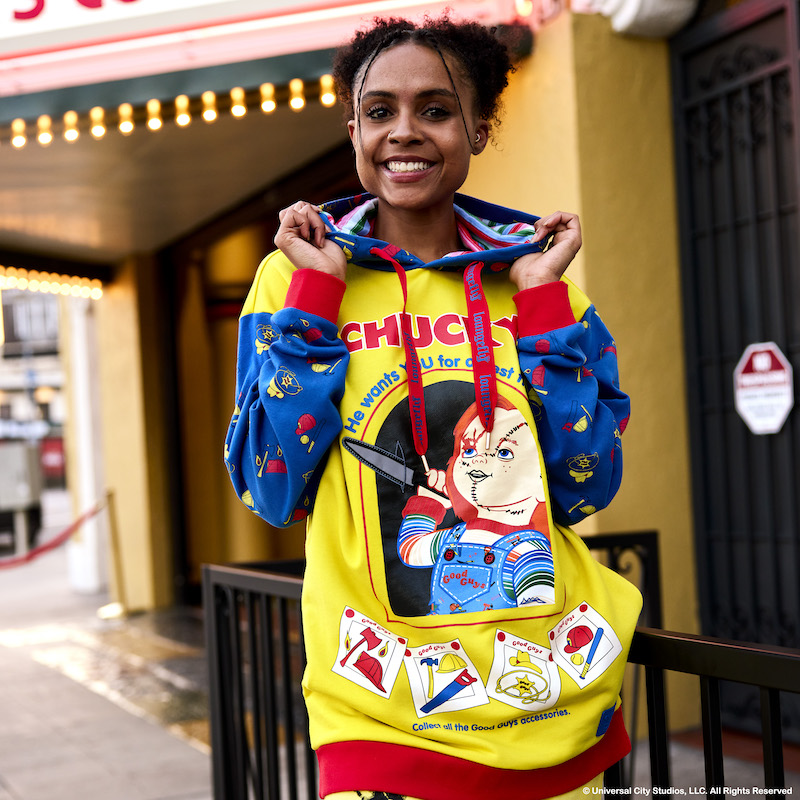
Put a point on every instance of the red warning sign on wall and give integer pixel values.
(763, 387)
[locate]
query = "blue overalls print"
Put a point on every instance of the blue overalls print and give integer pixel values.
(468, 576)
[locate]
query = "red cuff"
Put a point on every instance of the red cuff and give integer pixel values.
(544, 308)
(316, 292)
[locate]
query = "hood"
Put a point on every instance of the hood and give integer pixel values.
(499, 235)
(495, 237)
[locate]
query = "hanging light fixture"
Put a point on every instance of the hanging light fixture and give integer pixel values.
(154, 121)
(45, 127)
(97, 119)
(71, 132)
(209, 100)
(327, 93)
(238, 105)
(18, 137)
(182, 115)
(126, 119)
(268, 104)
(297, 99)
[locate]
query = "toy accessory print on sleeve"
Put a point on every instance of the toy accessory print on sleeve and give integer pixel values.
(442, 432)
(578, 405)
(289, 380)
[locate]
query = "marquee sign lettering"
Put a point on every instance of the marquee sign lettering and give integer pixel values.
(38, 7)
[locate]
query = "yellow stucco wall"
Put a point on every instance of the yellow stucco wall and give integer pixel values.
(588, 128)
(133, 435)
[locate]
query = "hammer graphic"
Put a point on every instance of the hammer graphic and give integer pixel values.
(367, 635)
(431, 663)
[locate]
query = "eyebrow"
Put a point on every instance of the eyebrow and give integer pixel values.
(376, 93)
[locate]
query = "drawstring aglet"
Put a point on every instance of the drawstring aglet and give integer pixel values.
(488, 438)
(425, 464)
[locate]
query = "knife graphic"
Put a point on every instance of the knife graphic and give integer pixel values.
(391, 466)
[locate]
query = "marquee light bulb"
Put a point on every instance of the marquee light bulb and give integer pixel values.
(297, 99)
(182, 115)
(327, 93)
(209, 100)
(154, 121)
(45, 126)
(71, 132)
(238, 105)
(18, 137)
(126, 119)
(97, 118)
(268, 104)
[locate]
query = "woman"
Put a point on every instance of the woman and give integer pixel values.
(381, 325)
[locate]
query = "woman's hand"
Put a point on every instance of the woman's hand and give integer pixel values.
(301, 238)
(535, 269)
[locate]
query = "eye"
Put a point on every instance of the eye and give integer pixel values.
(504, 454)
(437, 112)
(468, 452)
(377, 112)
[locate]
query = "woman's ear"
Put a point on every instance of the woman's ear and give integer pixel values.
(351, 129)
(481, 137)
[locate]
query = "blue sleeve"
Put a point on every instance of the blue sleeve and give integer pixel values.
(290, 377)
(580, 413)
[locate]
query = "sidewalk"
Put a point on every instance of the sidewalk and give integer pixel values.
(93, 709)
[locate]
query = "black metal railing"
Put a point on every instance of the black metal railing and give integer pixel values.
(259, 730)
(772, 669)
(254, 639)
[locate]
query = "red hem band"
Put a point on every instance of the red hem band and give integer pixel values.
(399, 769)
(316, 292)
(544, 308)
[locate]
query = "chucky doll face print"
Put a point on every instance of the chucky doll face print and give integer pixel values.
(498, 481)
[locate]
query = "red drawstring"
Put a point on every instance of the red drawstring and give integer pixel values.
(480, 337)
(479, 328)
(416, 391)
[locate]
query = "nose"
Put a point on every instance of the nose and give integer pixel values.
(405, 130)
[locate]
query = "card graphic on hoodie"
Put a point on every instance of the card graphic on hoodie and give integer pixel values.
(473, 533)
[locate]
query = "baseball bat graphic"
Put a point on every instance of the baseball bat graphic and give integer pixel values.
(598, 635)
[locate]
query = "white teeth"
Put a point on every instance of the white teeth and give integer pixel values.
(407, 166)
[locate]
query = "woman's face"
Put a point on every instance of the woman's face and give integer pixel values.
(412, 149)
(502, 478)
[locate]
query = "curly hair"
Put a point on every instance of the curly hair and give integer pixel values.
(483, 60)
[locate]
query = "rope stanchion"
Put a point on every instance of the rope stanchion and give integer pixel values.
(56, 541)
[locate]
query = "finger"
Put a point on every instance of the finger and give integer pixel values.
(313, 225)
(558, 220)
(320, 231)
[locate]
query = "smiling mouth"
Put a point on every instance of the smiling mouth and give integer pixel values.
(477, 475)
(408, 166)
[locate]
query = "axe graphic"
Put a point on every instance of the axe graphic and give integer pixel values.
(461, 681)
(367, 635)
